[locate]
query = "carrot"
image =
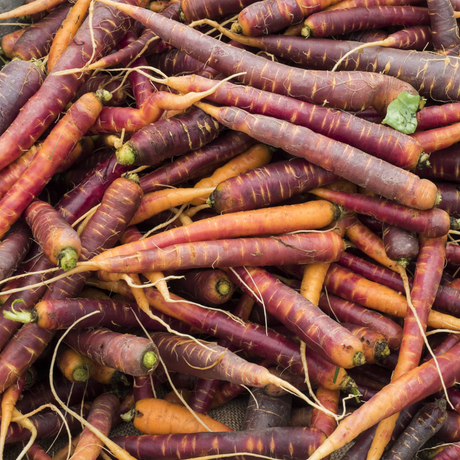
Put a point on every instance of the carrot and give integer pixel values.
(66, 134)
(400, 245)
(155, 202)
(9, 399)
(438, 115)
(355, 3)
(60, 243)
(193, 10)
(74, 366)
(167, 138)
(8, 41)
(444, 28)
(278, 442)
(291, 138)
(208, 287)
(30, 8)
(336, 22)
(438, 138)
(270, 16)
(127, 353)
(447, 453)
(432, 223)
(425, 424)
(450, 429)
(101, 416)
(202, 48)
(226, 146)
(393, 398)
(35, 43)
(36, 452)
(67, 31)
(157, 417)
(107, 375)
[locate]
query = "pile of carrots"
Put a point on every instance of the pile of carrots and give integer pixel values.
(230, 198)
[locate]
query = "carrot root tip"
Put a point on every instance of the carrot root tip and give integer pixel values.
(236, 28)
(125, 155)
(359, 359)
(80, 374)
(150, 360)
(67, 258)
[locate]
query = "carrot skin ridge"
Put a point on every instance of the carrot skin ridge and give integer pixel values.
(393, 398)
(337, 345)
(433, 223)
(275, 442)
(35, 43)
(22, 133)
(223, 148)
(293, 139)
(104, 346)
(298, 83)
(19, 81)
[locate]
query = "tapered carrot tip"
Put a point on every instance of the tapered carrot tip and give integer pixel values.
(454, 223)
(80, 374)
(125, 155)
(401, 113)
(359, 359)
(67, 258)
(381, 350)
(149, 360)
(103, 95)
(236, 28)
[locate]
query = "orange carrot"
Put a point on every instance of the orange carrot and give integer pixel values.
(8, 42)
(67, 31)
(256, 156)
(74, 366)
(31, 8)
(157, 416)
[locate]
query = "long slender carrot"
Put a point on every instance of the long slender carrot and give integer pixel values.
(67, 31)
(30, 8)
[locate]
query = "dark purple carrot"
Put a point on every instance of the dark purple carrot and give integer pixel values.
(110, 84)
(36, 452)
(192, 10)
(268, 185)
(19, 81)
(269, 16)
(14, 248)
(453, 253)
(279, 78)
(226, 146)
(167, 138)
(365, 36)
(336, 22)
(58, 91)
(35, 43)
(293, 443)
(444, 27)
(400, 244)
(450, 197)
(450, 430)
(208, 287)
(432, 223)
(59, 241)
(127, 353)
(142, 87)
(376, 139)
(350, 312)
(143, 387)
(263, 411)
(101, 416)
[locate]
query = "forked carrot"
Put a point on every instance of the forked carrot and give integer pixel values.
(67, 31)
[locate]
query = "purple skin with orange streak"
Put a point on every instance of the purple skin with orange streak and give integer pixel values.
(14, 248)
(57, 91)
(348, 162)
(270, 16)
(451, 452)
(224, 148)
(101, 416)
(47, 424)
(273, 442)
(268, 185)
(335, 22)
(438, 115)
(35, 42)
(450, 430)
(432, 223)
(450, 197)
(282, 250)
(377, 139)
(315, 87)
(9, 40)
(141, 85)
(143, 387)
(438, 138)
(447, 299)
(320, 420)
(353, 313)
(446, 40)
(66, 134)
(322, 334)
(167, 138)
(36, 452)
(106, 82)
(19, 81)
(192, 10)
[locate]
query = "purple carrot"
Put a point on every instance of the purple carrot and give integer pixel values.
(58, 91)
(450, 430)
(432, 223)
(143, 387)
(278, 77)
(376, 139)
(225, 147)
(352, 313)
(36, 452)
(35, 42)
(400, 244)
(450, 197)
(19, 81)
(451, 452)
(167, 138)
(192, 10)
(446, 40)
(14, 248)
(292, 443)
(438, 115)
(127, 353)
(268, 185)
(110, 84)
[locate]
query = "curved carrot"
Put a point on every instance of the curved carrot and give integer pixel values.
(67, 31)
(31, 8)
